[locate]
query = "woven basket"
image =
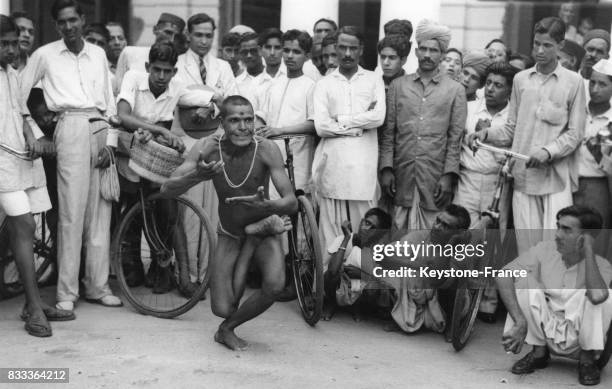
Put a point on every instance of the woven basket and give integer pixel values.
(153, 161)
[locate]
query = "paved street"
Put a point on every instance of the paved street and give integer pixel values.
(118, 348)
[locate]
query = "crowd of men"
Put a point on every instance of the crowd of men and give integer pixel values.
(384, 150)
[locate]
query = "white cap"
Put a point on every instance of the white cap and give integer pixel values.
(604, 66)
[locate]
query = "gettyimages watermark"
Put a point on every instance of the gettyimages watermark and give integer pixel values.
(434, 257)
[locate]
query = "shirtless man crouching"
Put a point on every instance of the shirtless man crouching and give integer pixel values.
(240, 165)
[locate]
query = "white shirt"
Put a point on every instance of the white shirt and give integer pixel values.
(131, 58)
(250, 87)
(70, 81)
(15, 174)
(587, 165)
(136, 92)
(311, 71)
(484, 162)
(288, 101)
(346, 159)
(219, 75)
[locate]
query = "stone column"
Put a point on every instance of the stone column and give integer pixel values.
(5, 7)
(301, 14)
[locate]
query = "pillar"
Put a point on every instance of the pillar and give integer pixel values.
(302, 14)
(5, 7)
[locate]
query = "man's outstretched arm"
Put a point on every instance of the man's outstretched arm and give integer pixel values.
(193, 171)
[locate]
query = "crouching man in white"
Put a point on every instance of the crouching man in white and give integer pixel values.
(563, 305)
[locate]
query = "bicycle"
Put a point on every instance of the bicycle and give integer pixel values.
(469, 292)
(152, 239)
(305, 252)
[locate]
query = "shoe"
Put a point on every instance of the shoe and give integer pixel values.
(108, 301)
(588, 374)
(52, 314)
(486, 317)
(528, 364)
(38, 326)
(65, 305)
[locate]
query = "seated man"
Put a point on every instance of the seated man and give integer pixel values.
(343, 278)
(563, 304)
(248, 163)
(417, 303)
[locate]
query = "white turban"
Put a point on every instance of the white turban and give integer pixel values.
(196, 96)
(428, 30)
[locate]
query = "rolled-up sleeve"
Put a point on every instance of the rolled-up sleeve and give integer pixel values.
(455, 133)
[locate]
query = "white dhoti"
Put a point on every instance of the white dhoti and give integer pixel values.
(535, 217)
(581, 326)
(84, 216)
(416, 307)
(414, 217)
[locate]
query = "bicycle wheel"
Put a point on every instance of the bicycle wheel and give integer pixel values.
(168, 244)
(469, 293)
(307, 261)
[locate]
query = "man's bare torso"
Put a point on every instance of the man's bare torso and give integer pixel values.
(235, 217)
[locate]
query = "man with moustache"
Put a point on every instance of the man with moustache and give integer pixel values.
(597, 47)
(421, 142)
(349, 105)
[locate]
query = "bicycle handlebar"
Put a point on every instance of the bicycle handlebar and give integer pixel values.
(113, 121)
(19, 154)
(476, 144)
(290, 136)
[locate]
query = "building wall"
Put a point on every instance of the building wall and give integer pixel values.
(148, 12)
(473, 23)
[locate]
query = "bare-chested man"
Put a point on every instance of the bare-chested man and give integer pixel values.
(240, 165)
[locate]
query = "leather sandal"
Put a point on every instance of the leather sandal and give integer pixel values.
(529, 363)
(52, 314)
(38, 326)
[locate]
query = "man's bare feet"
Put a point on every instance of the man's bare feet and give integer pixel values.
(229, 339)
(272, 225)
(391, 326)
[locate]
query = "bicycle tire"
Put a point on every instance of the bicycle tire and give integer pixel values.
(119, 254)
(463, 318)
(307, 264)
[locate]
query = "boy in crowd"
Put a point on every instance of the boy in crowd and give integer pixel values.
(22, 190)
(146, 103)
(328, 52)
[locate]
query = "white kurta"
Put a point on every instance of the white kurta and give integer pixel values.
(288, 102)
(347, 115)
